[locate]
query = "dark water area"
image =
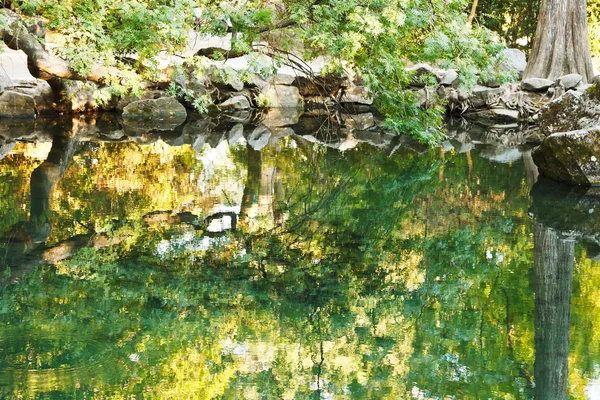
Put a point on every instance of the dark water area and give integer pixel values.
(305, 257)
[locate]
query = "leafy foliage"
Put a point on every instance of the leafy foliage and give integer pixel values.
(374, 38)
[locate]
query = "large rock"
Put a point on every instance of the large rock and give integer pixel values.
(357, 94)
(571, 156)
(569, 81)
(572, 151)
(283, 96)
(514, 60)
(571, 111)
(483, 96)
(225, 77)
(41, 92)
(536, 84)
(148, 94)
(163, 107)
(421, 73)
(237, 102)
(16, 105)
(494, 115)
(77, 96)
(447, 78)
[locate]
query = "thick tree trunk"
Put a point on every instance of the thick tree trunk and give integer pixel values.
(553, 263)
(561, 45)
(41, 63)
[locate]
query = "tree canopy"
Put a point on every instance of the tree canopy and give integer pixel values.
(120, 44)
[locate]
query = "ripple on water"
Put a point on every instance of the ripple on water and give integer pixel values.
(43, 361)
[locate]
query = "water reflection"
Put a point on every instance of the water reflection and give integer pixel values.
(233, 258)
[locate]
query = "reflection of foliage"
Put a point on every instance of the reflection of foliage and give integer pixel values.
(384, 277)
(14, 189)
(111, 183)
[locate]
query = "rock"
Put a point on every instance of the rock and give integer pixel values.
(283, 79)
(535, 138)
(259, 137)
(495, 115)
(425, 97)
(77, 96)
(163, 107)
(16, 105)
(571, 111)
(595, 80)
(357, 94)
(226, 77)
(195, 86)
(491, 83)
(536, 84)
(571, 151)
(571, 156)
(569, 81)
(279, 133)
(150, 94)
(41, 92)
(255, 80)
(281, 96)
(447, 78)
(483, 96)
(238, 102)
(420, 72)
(514, 60)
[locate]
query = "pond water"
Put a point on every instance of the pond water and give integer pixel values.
(226, 259)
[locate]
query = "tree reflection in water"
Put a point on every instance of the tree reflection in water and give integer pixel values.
(380, 272)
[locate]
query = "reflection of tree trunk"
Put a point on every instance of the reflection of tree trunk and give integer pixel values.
(251, 190)
(531, 169)
(278, 198)
(43, 179)
(554, 259)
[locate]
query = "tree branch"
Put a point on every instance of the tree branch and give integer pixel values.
(40, 62)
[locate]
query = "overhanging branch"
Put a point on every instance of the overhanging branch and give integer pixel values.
(41, 63)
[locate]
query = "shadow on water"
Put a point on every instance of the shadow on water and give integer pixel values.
(290, 256)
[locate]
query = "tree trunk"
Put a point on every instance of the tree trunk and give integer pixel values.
(561, 45)
(553, 264)
(41, 63)
(473, 11)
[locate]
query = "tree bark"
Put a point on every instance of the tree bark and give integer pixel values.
(561, 45)
(553, 264)
(41, 63)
